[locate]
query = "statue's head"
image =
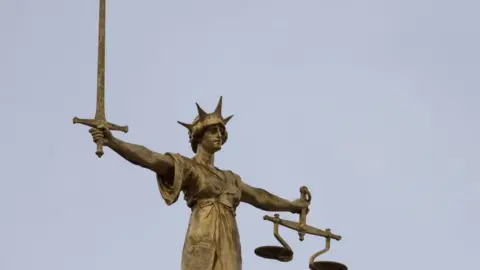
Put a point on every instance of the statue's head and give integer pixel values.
(208, 129)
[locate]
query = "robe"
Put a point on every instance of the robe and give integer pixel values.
(212, 241)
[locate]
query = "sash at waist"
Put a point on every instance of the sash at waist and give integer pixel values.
(219, 200)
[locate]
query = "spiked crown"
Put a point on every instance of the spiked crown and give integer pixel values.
(204, 120)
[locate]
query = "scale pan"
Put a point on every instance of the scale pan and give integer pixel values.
(325, 265)
(274, 253)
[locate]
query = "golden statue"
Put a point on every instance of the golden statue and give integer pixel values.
(212, 240)
(213, 195)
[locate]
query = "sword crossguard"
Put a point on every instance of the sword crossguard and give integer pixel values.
(94, 123)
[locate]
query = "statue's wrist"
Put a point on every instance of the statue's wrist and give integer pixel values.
(292, 207)
(295, 209)
(110, 142)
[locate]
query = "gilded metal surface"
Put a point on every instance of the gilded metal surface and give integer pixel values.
(302, 228)
(274, 253)
(306, 228)
(100, 118)
(212, 240)
(326, 265)
(306, 196)
(283, 253)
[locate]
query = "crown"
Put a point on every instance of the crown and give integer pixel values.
(204, 120)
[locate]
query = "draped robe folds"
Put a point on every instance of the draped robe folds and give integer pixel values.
(212, 241)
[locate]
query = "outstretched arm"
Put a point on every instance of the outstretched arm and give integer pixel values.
(136, 154)
(266, 201)
(142, 156)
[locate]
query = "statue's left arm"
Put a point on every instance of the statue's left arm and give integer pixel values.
(267, 201)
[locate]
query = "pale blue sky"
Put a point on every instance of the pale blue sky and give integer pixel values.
(371, 104)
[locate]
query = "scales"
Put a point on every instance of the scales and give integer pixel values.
(284, 252)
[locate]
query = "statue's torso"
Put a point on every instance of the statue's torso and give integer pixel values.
(212, 241)
(206, 184)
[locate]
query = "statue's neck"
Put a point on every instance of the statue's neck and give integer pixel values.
(204, 157)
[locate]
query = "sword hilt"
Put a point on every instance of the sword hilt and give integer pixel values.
(94, 123)
(99, 151)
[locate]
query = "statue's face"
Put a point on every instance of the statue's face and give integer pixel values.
(212, 138)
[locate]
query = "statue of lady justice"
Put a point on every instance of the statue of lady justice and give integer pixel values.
(212, 241)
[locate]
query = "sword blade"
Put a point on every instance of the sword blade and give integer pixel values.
(100, 118)
(100, 111)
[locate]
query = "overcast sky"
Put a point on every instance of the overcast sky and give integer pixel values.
(374, 105)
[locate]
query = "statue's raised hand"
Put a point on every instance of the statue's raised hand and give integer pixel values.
(101, 133)
(298, 205)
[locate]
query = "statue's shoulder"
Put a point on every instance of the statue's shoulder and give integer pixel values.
(232, 173)
(179, 158)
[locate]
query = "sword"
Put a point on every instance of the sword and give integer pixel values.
(100, 118)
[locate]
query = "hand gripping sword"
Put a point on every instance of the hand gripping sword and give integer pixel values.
(100, 118)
